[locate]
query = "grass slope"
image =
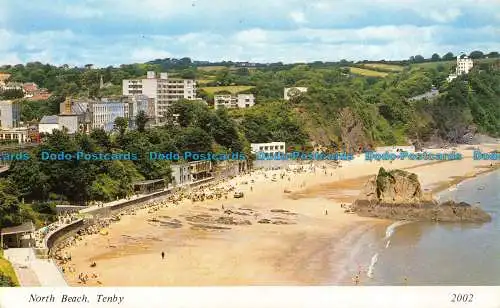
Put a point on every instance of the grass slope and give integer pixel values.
(384, 67)
(7, 269)
(366, 72)
(232, 89)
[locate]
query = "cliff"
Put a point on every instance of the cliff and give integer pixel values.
(397, 195)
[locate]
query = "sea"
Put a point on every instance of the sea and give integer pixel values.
(425, 253)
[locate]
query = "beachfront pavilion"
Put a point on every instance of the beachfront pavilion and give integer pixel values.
(149, 186)
(18, 236)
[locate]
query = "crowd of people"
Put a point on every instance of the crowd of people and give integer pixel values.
(219, 190)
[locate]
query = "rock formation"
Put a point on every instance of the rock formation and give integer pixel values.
(397, 194)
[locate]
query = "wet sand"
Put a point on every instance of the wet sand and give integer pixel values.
(204, 246)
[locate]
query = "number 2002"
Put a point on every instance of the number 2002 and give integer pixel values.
(462, 298)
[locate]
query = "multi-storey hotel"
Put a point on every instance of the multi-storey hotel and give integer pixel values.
(162, 89)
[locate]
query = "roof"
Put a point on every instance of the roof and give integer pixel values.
(52, 119)
(25, 227)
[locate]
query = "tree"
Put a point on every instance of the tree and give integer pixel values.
(448, 56)
(493, 54)
(140, 121)
(11, 94)
(121, 125)
(476, 54)
(435, 57)
(9, 204)
(419, 59)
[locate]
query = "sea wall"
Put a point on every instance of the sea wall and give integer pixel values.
(107, 210)
(63, 232)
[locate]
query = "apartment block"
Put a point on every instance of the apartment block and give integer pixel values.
(162, 89)
(105, 112)
(10, 114)
(234, 101)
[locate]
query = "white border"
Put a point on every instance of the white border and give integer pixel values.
(265, 297)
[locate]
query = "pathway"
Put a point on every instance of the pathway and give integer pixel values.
(32, 271)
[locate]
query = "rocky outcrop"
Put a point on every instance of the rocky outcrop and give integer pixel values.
(397, 195)
(352, 130)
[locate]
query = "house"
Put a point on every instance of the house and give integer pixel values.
(30, 89)
(48, 124)
(291, 92)
(464, 65)
(230, 101)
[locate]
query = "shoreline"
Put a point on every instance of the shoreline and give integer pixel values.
(312, 250)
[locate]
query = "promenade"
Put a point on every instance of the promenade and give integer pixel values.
(33, 272)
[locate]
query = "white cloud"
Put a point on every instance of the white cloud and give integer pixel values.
(82, 12)
(148, 54)
(298, 17)
(252, 36)
(445, 16)
(9, 58)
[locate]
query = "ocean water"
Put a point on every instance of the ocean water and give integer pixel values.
(440, 253)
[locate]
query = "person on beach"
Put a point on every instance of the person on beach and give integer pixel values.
(326, 212)
(163, 255)
(356, 280)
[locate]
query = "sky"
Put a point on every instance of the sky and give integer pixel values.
(109, 32)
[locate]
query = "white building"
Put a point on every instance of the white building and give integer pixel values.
(464, 65)
(105, 112)
(291, 92)
(181, 174)
(20, 134)
(230, 101)
(268, 148)
(188, 173)
(162, 89)
(48, 124)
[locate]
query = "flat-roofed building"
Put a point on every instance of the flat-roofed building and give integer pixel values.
(163, 89)
(234, 101)
(10, 114)
(268, 147)
(18, 134)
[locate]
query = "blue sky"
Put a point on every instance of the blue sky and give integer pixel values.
(109, 32)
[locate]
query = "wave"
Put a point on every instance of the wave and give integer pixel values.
(390, 230)
(388, 243)
(372, 266)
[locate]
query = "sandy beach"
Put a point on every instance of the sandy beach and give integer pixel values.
(307, 242)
